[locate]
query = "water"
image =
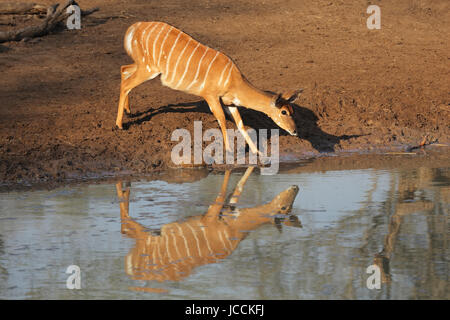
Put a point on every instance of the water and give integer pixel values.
(156, 242)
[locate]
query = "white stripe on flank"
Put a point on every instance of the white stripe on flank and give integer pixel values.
(175, 244)
(162, 45)
(198, 69)
(196, 239)
(170, 53)
(207, 71)
(221, 240)
(206, 239)
(142, 38)
(178, 60)
(228, 239)
(187, 66)
(188, 252)
(228, 77)
(154, 253)
(148, 37)
(154, 42)
(158, 245)
(223, 71)
(167, 248)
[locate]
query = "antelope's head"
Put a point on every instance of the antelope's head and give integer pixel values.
(282, 203)
(282, 206)
(284, 113)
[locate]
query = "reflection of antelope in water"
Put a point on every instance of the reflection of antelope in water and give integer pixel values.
(200, 240)
(406, 189)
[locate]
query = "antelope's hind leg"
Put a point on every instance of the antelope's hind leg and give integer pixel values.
(132, 75)
(126, 72)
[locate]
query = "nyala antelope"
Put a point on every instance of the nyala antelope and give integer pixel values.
(182, 246)
(189, 66)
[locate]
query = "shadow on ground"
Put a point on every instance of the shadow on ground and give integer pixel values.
(305, 119)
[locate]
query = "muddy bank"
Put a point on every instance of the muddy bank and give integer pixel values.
(428, 157)
(365, 90)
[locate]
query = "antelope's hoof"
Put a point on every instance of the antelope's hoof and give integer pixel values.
(116, 128)
(128, 114)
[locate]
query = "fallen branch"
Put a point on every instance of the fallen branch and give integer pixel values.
(89, 11)
(55, 15)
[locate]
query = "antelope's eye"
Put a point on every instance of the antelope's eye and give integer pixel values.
(283, 112)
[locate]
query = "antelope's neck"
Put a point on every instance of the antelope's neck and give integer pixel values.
(247, 95)
(251, 218)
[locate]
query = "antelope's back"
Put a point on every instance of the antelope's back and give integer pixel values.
(184, 63)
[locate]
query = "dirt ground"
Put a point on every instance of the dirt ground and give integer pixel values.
(364, 90)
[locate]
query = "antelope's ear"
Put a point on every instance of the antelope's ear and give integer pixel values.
(292, 96)
(278, 101)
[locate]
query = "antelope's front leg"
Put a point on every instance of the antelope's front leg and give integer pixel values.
(237, 118)
(216, 109)
(215, 209)
(240, 186)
